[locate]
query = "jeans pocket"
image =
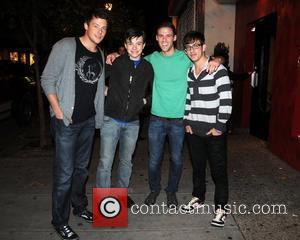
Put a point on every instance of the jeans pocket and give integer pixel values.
(135, 123)
(58, 119)
(106, 118)
(59, 124)
(178, 122)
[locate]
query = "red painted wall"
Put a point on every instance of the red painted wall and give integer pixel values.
(285, 115)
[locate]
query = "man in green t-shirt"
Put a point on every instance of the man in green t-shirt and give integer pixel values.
(168, 102)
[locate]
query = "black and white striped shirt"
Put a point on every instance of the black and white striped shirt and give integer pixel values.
(208, 101)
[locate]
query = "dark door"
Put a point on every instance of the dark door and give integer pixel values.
(265, 33)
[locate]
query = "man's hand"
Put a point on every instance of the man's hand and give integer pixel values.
(213, 65)
(55, 106)
(214, 132)
(111, 58)
(59, 114)
(188, 129)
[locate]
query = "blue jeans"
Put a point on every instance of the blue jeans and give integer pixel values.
(113, 132)
(159, 129)
(70, 170)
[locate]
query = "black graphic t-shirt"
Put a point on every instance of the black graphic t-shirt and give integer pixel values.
(88, 68)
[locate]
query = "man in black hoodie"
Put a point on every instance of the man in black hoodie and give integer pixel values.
(130, 76)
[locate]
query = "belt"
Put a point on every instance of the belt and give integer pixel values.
(165, 118)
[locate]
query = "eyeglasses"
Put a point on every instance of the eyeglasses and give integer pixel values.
(194, 46)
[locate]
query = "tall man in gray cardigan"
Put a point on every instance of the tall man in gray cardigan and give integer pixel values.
(73, 81)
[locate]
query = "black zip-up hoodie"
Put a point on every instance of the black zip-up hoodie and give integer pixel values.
(127, 88)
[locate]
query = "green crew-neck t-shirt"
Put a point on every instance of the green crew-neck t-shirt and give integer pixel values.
(170, 83)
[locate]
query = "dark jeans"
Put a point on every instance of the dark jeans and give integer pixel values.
(213, 149)
(159, 129)
(73, 146)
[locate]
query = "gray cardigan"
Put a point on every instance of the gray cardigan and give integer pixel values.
(58, 78)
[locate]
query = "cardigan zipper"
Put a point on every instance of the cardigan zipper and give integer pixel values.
(128, 95)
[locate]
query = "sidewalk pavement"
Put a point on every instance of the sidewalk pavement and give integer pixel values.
(255, 176)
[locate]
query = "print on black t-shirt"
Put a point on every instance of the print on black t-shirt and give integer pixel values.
(88, 69)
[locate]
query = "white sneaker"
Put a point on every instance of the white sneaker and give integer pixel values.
(219, 219)
(193, 204)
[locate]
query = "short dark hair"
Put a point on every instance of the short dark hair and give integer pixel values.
(193, 36)
(134, 33)
(97, 13)
(221, 50)
(167, 25)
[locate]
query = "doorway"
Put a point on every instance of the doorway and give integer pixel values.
(261, 102)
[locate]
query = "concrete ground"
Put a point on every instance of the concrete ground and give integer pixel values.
(256, 176)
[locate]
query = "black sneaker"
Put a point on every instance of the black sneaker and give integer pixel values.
(151, 198)
(130, 202)
(219, 219)
(172, 200)
(66, 232)
(192, 205)
(85, 214)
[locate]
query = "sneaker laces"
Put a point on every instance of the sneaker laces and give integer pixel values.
(193, 201)
(84, 212)
(68, 230)
(220, 215)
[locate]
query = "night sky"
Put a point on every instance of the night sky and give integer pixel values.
(155, 11)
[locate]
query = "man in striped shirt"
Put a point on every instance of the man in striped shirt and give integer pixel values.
(208, 107)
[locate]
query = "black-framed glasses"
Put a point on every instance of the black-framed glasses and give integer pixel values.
(193, 46)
